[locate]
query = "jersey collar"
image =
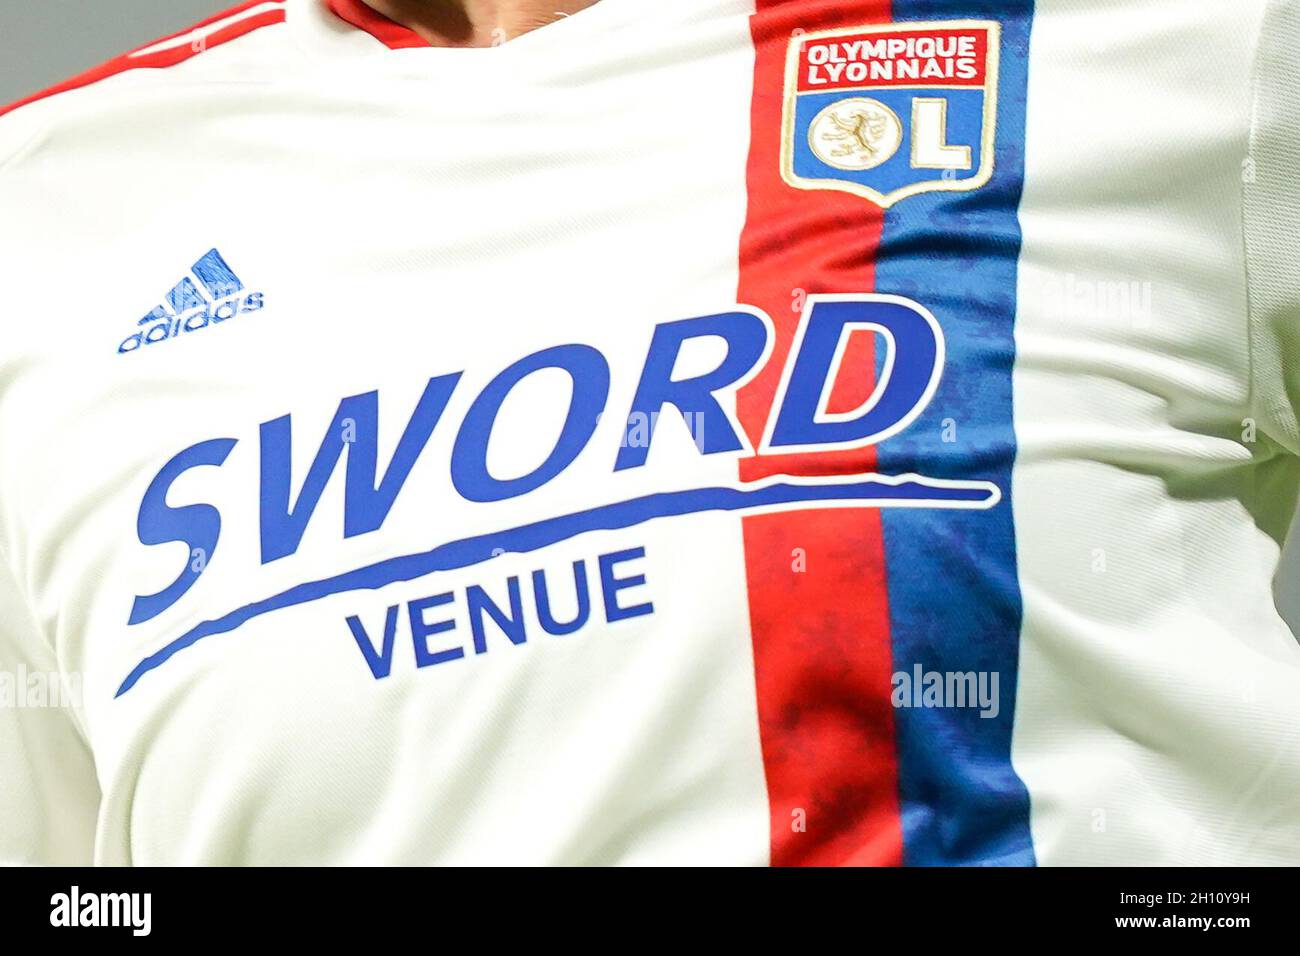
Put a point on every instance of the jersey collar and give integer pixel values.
(341, 27)
(391, 34)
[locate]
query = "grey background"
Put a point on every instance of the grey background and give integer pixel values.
(45, 41)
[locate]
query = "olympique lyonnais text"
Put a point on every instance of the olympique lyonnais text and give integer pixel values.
(940, 58)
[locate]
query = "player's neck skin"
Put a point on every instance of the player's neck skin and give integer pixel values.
(475, 23)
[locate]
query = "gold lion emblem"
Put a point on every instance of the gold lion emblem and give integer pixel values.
(856, 133)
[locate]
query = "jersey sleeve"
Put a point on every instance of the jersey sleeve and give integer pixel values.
(48, 791)
(1271, 215)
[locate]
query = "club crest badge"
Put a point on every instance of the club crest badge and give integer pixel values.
(892, 111)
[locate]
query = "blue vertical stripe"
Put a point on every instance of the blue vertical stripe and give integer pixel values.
(954, 593)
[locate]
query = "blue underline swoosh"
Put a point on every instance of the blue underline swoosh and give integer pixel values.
(870, 491)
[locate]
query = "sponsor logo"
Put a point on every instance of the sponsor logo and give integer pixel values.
(911, 344)
(892, 111)
(210, 294)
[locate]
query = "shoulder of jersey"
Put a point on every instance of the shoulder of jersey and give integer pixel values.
(225, 45)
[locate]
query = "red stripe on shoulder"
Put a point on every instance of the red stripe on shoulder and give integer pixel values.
(167, 57)
(393, 35)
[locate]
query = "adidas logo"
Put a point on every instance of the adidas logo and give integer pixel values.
(217, 295)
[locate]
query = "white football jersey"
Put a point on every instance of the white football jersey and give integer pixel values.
(695, 431)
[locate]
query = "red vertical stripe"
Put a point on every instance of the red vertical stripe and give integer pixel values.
(816, 580)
